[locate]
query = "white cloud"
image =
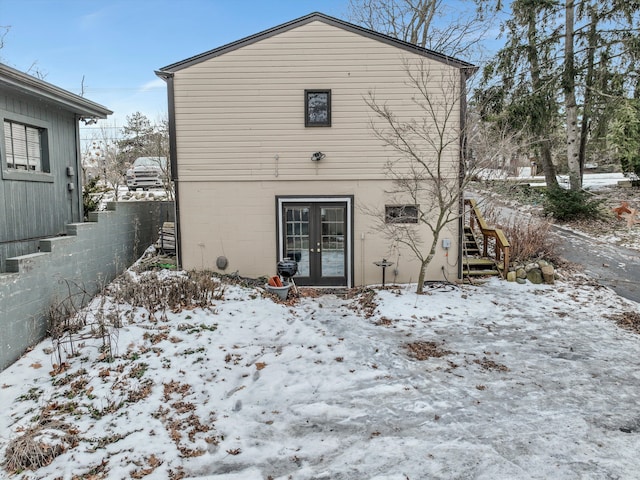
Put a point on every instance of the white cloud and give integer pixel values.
(153, 84)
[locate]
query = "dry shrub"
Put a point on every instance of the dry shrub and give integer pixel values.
(528, 235)
(156, 292)
(364, 301)
(39, 445)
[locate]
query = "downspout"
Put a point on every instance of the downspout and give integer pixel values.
(76, 196)
(173, 159)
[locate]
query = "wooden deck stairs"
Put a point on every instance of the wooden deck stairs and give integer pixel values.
(473, 263)
(476, 261)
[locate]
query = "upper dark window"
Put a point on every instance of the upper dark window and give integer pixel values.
(24, 147)
(317, 108)
(401, 213)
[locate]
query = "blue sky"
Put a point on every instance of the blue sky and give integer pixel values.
(116, 45)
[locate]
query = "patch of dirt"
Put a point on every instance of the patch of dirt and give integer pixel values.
(425, 350)
(490, 365)
(627, 320)
(384, 322)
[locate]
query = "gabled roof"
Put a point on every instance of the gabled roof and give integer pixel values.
(32, 86)
(314, 17)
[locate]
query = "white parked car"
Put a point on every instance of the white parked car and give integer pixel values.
(147, 172)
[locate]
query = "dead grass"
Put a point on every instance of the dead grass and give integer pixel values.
(364, 301)
(488, 364)
(39, 445)
(627, 320)
(424, 350)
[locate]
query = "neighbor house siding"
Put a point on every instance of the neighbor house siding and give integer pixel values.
(35, 209)
(240, 116)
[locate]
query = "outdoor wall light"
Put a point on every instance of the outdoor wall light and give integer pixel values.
(317, 156)
(89, 120)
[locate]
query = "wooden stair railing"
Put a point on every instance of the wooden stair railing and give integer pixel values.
(501, 247)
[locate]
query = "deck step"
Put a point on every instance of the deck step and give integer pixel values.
(480, 273)
(477, 262)
(474, 265)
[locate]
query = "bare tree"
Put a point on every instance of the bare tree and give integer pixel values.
(495, 147)
(428, 173)
(33, 69)
(160, 148)
(142, 138)
(104, 159)
(566, 65)
(432, 24)
(4, 29)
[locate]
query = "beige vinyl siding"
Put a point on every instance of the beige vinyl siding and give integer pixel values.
(236, 112)
(242, 227)
(242, 143)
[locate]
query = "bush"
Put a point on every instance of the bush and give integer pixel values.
(520, 192)
(564, 204)
(92, 194)
(528, 236)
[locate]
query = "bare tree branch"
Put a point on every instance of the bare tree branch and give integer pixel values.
(426, 173)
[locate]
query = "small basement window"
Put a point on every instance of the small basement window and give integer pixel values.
(317, 108)
(401, 214)
(25, 147)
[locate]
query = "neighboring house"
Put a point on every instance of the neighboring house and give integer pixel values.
(273, 155)
(40, 169)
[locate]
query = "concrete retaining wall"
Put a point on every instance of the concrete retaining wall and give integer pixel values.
(87, 258)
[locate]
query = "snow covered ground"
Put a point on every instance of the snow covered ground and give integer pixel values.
(590, 181)
(498, 381)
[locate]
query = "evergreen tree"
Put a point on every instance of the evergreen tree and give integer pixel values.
(580, 51)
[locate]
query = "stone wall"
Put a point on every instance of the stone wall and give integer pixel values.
(86, 259)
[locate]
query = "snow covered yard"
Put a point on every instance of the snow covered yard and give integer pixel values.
(499, 381)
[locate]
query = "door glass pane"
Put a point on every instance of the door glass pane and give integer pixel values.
(332, 239)
(296, 242)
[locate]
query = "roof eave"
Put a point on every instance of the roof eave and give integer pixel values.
(174, 67)
(35, 87)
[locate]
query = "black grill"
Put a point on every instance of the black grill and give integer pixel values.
(287, 268)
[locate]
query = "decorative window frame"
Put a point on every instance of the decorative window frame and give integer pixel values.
(322, 116)
(42, 175)
(407, 214)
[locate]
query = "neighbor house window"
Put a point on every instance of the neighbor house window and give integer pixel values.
(24, 147)
(401, 213)
(317, 107)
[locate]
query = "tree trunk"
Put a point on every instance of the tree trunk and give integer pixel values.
(424, 263)
(421, 275)
(548, 167)
(545, 148)
(571, 107)
(587, 107)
